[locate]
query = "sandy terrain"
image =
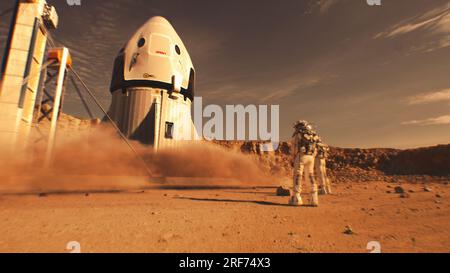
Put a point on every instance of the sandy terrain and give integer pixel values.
(229, 220)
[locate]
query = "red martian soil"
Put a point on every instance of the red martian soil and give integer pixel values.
(96, 194)
(229, 220)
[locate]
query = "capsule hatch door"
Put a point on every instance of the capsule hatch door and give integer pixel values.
(159, 63)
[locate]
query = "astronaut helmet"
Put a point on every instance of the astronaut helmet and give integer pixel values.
(304, 126)
(299, 124)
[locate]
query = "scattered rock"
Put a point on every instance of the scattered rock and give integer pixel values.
(427, 189)
(399, 189)
(42, 194)
(348, 230)
(388, 192)
(86, 194)
(438, 196)
(282, 191)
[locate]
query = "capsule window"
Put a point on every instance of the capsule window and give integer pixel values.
(177, 50)
(141, 42)
(169, 130)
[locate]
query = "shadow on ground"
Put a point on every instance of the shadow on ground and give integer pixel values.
(264, 203)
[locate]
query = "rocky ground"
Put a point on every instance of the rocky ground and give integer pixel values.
(248, 219)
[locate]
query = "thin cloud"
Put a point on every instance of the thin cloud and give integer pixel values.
(442, 120)
(430, 97)
(232, 93)
(290, 88)
(435, 22)
(325, 5)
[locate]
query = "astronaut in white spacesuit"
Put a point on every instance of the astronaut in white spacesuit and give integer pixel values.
(304, 150)
(321, 167)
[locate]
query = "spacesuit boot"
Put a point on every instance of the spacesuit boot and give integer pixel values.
(296, 200)
(323, 190)
(314, 197)
(328, 187)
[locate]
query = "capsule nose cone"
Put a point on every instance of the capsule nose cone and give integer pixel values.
(159, 20)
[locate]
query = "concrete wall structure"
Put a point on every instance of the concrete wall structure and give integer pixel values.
(21, 70)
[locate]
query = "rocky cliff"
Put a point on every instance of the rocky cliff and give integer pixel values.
(344, 164)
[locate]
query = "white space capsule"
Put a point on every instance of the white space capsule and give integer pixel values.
(152, 86)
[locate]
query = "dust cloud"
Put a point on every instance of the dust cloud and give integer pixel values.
(99, 160)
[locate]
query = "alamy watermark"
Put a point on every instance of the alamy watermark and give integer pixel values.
(233, 123)
(73, 247)
(73, 2)
(238, 122)
(373, 2)
(374, 247)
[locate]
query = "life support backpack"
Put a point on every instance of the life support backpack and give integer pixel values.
(322, 150)
(307, 143)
